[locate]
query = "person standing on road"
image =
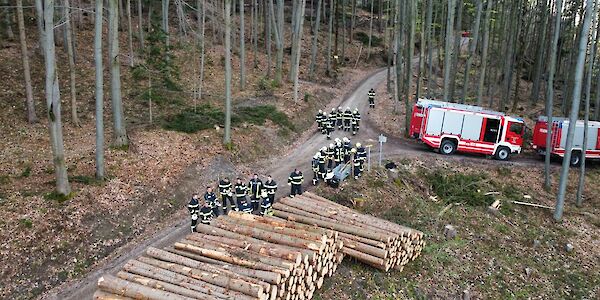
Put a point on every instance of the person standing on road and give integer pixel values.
(319, 119)
(371, 95)
(330, 152)
(338, 156)
(315, 168)
(355, 121)
(340, 118)
(333, 117)
(295, 181)
(226, 194)
(330, 127)
(241, 190)
(347, 147)
(194, 207)
(347, 119)
(361, 153)
(255, 188)
(211, 200)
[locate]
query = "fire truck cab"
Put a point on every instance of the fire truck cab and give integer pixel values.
(558, 141)
(452, 127)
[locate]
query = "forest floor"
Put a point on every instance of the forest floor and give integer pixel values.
(519, 253)
(47, 240)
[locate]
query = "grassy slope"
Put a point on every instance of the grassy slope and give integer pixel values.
(494, 257)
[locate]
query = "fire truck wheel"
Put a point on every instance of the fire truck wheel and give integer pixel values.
(575, 159)
(447, 147)
(503, 153)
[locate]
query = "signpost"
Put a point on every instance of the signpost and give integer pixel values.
(382, 139)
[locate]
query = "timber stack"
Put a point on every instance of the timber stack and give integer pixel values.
(238, 256)
(376, 242)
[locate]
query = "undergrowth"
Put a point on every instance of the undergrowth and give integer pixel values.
(470, 189)
(207, 117)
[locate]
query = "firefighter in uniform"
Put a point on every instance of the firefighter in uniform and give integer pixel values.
(340, 118)
(315, 168)
(319, 119)
(211, 200)
(329, 127)
(333, 117)
(226, 194)
(347, 119)
(295, 181)
(330, 152)
(206, 213)
(194, 208)
(244, 205)
(338, 155)
(356, 162)
(322, 162)
(371, 98)
(270, 189)
(255, 187)
(355, 121)
(362, 154)
(240, 194)
(347, 147)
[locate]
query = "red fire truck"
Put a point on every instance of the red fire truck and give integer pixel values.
(560, 126)
(452, 127)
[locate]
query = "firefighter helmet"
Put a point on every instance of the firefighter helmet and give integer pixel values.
(358, 145)
(331, 145)
(353, 150)
(320, 111)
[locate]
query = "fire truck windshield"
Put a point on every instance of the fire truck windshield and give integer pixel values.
(516, 128)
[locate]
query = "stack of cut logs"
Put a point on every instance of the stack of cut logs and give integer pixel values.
(376, 242)
(239, 256)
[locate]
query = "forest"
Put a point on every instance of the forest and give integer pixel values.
(114, 112)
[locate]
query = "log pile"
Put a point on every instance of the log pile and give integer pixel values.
(285, 256)
(239, 256)
(376, 242)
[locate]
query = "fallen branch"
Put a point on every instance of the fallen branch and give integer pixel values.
(533, 205)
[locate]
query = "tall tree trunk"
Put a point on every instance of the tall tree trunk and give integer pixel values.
(45, 12)
(268, 39)
(299, 21)
(8, 21)
(120, 134)
(344, 29)
(69, 44)
(129, 33)
(573, 116)
(448, 50)
(430, 44)
(227, 137)
(254, 17)
(472, 48)
(99, 68)
(201, 15)
(484, 51)
(242, 48)
(278, 39)
(353, 21)
(420, 70)
(586, 118)
(165, 20)
(370, 31)
(412, 17)
(550, 91)
(140, 23)
(399, 29)
(457, 47)
(313, 52)
(31, 116)
(508, 58)
(539, 60)
(330, 36)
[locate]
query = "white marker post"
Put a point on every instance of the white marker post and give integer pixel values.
(382, 139)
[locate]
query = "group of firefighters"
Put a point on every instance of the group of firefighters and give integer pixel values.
(347, 120)
(262, 194)
(340, 152)
(262, 197)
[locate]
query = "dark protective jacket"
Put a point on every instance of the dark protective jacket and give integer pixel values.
(296, 179)
(270, 187)
(224, 187)
(211, 199)
(256, 187)
(240, 190)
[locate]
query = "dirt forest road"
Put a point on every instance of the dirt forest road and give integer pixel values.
(280, 168)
